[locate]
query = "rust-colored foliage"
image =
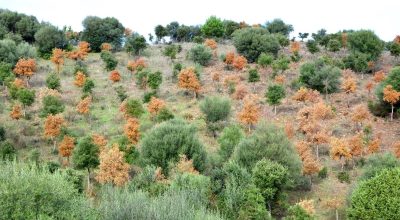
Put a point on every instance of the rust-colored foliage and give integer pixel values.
(216, 76)
(295, 47)
(83, 106)
(136, 65)
(188, 80)
(113, 168)
(349, 85)
(321, 111)
(231, 80)
(280, 79)
(155, 105)
(360, 113)
(333, 203)
(106, 47)
(396, 147)
(310, 165)
(250, 113)
(159, 176)
(371, 65)
(185, 166)
(80, 79)
(132, 130)
(356, 145)
(66, 146)
(19, 83)
(84, 47)
(52, 125)
(240, 92)
(229, 57)
(339, 149)
(122, 109)
(239, 62)
(374, 146)
(115, 76)
(289, 130)
(390, 95)
(303, 149)
(308, 206)
(369, 86)
(379, 76)
(25, 67)
(58, 58)
(16, 112)
(211, 43)
(344, 40)
(304, 94)
(100, 141)
(80, 53)
(243, 24)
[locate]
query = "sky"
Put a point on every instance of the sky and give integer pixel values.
(142, 16)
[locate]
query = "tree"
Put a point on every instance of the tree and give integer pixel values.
(302, 36)
(136, 65)
(16, 112)
(265, 60)
(251, 42)
(115, 76)
(188, 80)
(228, 141)
(66, 146)
(52, 127)
(310, 166)
(164, 143)
(357, 61)
(312, 46)
(155, 106)
(367, 42)
(239, 62)
(278, 26)
(274, 95)
(81, 52)
(391, 96)
(303, 210)
(99, 30)
(394, 49)
(333, 45)
(377, 197)
(229, 58)
(160, 32)
(359, 114)
(53, 81)
(80, 79)
(379, 76)
(215, 108)
(109, 59)
(211, 43)
(52, 105)
(172, 30)
(253, 206)
(100, 141)
(200, 54)
(49, 37)
(134, 108)
(349, 86)
(113, 168)
(213, 27)
(253, 76)
(339, 150)
(25, 67)
(83, 106)
(135, 44)
(271, 178)
(280, 64)
(250, 113)
(106, 47)
(154, 80)
(26, 97)
(10, 52)
(86, 155)
(131, 130)
(58, 58)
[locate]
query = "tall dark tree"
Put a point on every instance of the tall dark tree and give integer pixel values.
(278, 26)
(160, 32)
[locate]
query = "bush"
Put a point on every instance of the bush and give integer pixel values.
(319, 76)
(53, 81)
(334, 45)
(323, 173)
(253, 206)
(278, 26)
(81, 67)
(109, 59)
(253, 76)
(164, 115)
(6, 74)
(147, 96)
(251, 42)
(193, 182)
(29, 192)
(376, 163)
(356, 61)
(49, 37)
(377, 198)
(343, 176)
(7, 151)
(135, 44)
(99, 30)
(88, 86)
(367, 42)
(171, 51)
(134, 108)
(312, 46)
(177, 69)
(215, 108)
(228, 141)
(26, 96)
(280, 64)
(275, 94)
(213, 27)
(52, 105)
(296, 212)
(270, 142)
(121, 93)
(264, 60)
(200, 54)
(164, 143)
(230, 27)
(10, 52)
(282, 39)
(155, 80)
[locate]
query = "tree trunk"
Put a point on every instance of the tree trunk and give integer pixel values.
(54, 144)
(337, 214)
(391, 114)
(88, 178)
(275, 109)
(317, 152)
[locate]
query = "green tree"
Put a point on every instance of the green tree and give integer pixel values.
(135, 44)
(228, 141)
(302, 36)
(312, 46)
(99, 30)
(7, 151)
(134, 108)
(53, 81)
(377, 198)
(154, 80)
(271, 178)
(109, 59)
(172, 29)
(394, 49)
(334, 45)
(367, 42)
(253, 206)
(213, 27)
(253, 76)
(51, 105)
(49, 37)
(278, 26)
(10, 52)
(160, 32)
(319, 76)
(275, 94)
(280, 64)
(230, 27)
(86, 155)
(88, 86)
(356, 61)
(376, 163)
(215, 108)
(26, 97)
(200, 54)
(265, 60)
(296, 212)
(164, 143)
(251, 42)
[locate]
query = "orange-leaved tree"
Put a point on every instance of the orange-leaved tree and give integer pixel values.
(250, 113)
(16, 112)
(106, 47)
(379, 76)
(211, 43)
(241, 91)
(239, 62)
(26, 68)
(340, 150)
(359, 115)
(131, 130)
(155, 106)
(344, 38)
(66, 147)
(374, 145)
(349, 86)
(52, 127)
(189, 81)
(229, 57)
(356, 144)
(19, 83)
(115, 76)
(80, 79)
(310, 167)
(391, 96)
(84, 47)
(136, 65)
(295, 47)
(83, 106)
(369, 87)
(58, 58)
(113, 168)
(100, 141)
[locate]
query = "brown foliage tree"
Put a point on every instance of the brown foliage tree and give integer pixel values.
(211, 43)
(344, 40)
(239, 62)
(356, 145)
(360, 114)
(349, 86)
(100, 141)
(188, 80)
(339, 150)
(25, 67)
(374, 146)
(229, 57)
(136, 65)
(310, 166)
(241, 91)
(289, 130)
(280, 79)
(115, 76)
(369, 87)
(391, 96)
(155, 105)
(19, 83)
(84, 47)
(295, 47)
(80, 53)
(113, 168)
(308, 206)
(16, 112)
(335, 204)
(80, 79)
(303, 149)
(58, 58)
(52, 127)
(66, 146)
(379, 76)
(132, 130)
(106, 47)
(83, 106)
(127, 32)
(185, 166)
(250, 113)
(304, 94)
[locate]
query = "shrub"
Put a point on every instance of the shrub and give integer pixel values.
(367, 42)
(53, 81)
(264, 60)
(6, 74)
(164, 115)
(278, 26)
(253, 206)
(334, 45)
(81, 67)
(215, 108)
(376, 163)
(121, 93)
(135, 44)
(49, 37)
(356, 61)
(2, 133)
(99, 30)
(228, 141)
(193, 182)
(377, 198)
(177, 69)
(213, 27)
(10, 52)
(319, 76)
(7, 151)
(280, 64)
(282, 39)
(52, 105)
(147, 96)
(171, 51)
(30, 192)
(323, 173)
(109, 59)
(312, 46)
(343, 176)
(200, 54)
(88, 86)
(164, 143)
(296, 212)
(134, 108)
(26, 96)
(251, 42)
(253, 75)
(155, 80)
(275, 94)
(230, 27)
